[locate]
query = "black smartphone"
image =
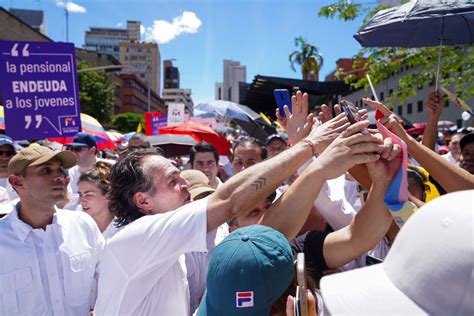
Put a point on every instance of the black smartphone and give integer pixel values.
(350, 110)
(371, 260)
(282, 98)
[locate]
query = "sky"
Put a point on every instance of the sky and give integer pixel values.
(200, 34)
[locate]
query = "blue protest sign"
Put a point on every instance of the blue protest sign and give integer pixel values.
(39, 89)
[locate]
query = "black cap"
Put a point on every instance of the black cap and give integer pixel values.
(469, 138)
(273, 137)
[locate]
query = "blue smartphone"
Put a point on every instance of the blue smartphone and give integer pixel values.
(282, 98)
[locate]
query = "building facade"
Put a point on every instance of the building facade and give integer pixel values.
(170, 75)
(413, 109)
(107, 40)
(234, 75)
(179, 96)
(134, 96)
(143, 60)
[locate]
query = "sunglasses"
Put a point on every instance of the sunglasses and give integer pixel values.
(7, 153)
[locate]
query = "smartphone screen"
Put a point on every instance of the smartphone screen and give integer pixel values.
(282, 98)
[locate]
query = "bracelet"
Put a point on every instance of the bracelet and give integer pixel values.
(311, 144)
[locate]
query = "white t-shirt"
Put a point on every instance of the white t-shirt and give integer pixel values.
(12, 195)
(143, 271)
(449, 157)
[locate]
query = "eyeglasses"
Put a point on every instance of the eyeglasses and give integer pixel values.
(7, 153)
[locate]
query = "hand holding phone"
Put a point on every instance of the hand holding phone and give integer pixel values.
(301, 302)
(282, 98)
(350, 110)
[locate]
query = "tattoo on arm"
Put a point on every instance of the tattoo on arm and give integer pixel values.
(259, 183)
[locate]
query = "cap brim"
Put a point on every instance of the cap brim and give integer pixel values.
(77, 145)
(6, 143)
(365, 291)
(67, 158)
(198, 191)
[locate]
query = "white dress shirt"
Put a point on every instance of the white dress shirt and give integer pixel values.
(51, 271)
(142, 271)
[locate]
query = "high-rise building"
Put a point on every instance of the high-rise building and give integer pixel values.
(170, 75)
(219, 91)
(179, 96)
(143, 60)
(107, 40)
(134, 95)
(34, 18)
(234, 73)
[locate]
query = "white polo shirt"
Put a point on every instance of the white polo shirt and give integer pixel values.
(142, 271)
(51, 271)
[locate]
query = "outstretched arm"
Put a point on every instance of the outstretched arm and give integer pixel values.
(243, 191)
(451, 177)
(369, 225)
(351, 147)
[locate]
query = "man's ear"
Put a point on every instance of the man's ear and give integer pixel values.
(16, 181)
(141, 200)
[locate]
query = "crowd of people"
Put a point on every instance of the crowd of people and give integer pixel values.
(384, 221)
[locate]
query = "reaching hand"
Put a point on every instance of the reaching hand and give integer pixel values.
(322, 135)
(350, 148)
(298, 123)
(384, 169)
(325, 114)
(390, 120)
(290, 305)
(434, 105)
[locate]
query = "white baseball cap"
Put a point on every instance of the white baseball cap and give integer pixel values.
(429, 269)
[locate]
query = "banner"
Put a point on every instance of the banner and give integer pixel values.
(153, 122)
(39, 89)
(175, 113)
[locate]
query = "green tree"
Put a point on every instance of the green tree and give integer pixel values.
(128, 121)
(457, 62)
(96, 93)
(308, 58)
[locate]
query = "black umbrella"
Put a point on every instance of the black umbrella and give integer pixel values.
(420, 23)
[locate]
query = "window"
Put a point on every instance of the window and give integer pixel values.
(390, 92)
(399, 110)
(409, 108)
(446, 103)
(419, 106)
(381, 96)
